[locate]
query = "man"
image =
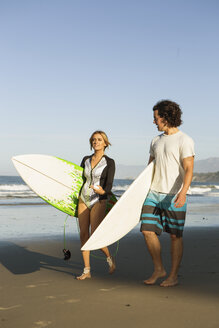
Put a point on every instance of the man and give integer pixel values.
(164, 208)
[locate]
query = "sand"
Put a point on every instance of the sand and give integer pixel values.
(38, 288)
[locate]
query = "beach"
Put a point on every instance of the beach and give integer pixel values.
(91, 92)
(38, 288)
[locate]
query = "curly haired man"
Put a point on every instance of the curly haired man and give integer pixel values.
(164, 208)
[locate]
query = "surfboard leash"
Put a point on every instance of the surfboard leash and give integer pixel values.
(67, 253)
(101, 257)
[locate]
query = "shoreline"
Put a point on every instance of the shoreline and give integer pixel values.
(33, 221)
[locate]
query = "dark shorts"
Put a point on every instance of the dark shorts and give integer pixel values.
(159, 214)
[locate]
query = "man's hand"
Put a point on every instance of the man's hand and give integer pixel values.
(180, 200)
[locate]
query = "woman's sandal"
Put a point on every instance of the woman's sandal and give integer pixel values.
(86, 274)
(112, 265)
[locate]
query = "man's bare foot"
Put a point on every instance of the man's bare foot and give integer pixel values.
(156, 275)
(86, 274)
(169, 282)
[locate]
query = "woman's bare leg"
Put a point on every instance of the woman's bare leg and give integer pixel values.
(97, 214)
(84, 223)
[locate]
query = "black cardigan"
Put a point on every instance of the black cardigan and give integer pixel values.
(107, 175)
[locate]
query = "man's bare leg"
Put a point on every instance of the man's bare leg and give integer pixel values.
(176, 256)
(154, 249)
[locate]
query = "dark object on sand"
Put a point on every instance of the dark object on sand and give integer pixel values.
(67, 254)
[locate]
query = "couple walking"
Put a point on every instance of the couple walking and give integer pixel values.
(164, 208)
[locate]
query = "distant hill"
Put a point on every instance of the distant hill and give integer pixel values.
(209, 165)
(128, 171)
(206, 177)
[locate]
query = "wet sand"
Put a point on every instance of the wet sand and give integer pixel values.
(38, 288)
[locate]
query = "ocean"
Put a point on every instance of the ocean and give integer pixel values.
(14, 191)
(24, 214)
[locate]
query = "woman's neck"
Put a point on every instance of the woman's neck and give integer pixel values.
(98, 154)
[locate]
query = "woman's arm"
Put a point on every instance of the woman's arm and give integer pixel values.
(109, 179)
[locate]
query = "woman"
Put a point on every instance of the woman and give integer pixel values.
(99, 172)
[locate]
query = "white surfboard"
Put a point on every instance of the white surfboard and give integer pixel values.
(124, 215)
(55, 180)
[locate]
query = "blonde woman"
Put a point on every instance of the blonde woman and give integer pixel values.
(99, 172)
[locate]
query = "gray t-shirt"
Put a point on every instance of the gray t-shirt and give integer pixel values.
(169, 152)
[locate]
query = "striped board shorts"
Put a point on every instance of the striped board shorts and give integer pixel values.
(159, 214)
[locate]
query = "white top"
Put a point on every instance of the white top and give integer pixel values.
(169, 152)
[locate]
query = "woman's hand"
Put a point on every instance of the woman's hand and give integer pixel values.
(98, 189)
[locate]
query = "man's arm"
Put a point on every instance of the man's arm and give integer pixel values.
(188, 164)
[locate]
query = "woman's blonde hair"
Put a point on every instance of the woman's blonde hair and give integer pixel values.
(104, 136)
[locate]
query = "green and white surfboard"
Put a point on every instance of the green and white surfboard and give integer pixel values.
(55, 180)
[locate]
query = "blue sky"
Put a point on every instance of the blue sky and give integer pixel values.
(71, 67)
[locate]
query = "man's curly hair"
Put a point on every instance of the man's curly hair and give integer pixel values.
(170, 111)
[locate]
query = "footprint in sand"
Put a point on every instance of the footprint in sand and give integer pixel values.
(39, 285)
(9, 307)
(71, 301)
(42, 323)
(109, 289)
